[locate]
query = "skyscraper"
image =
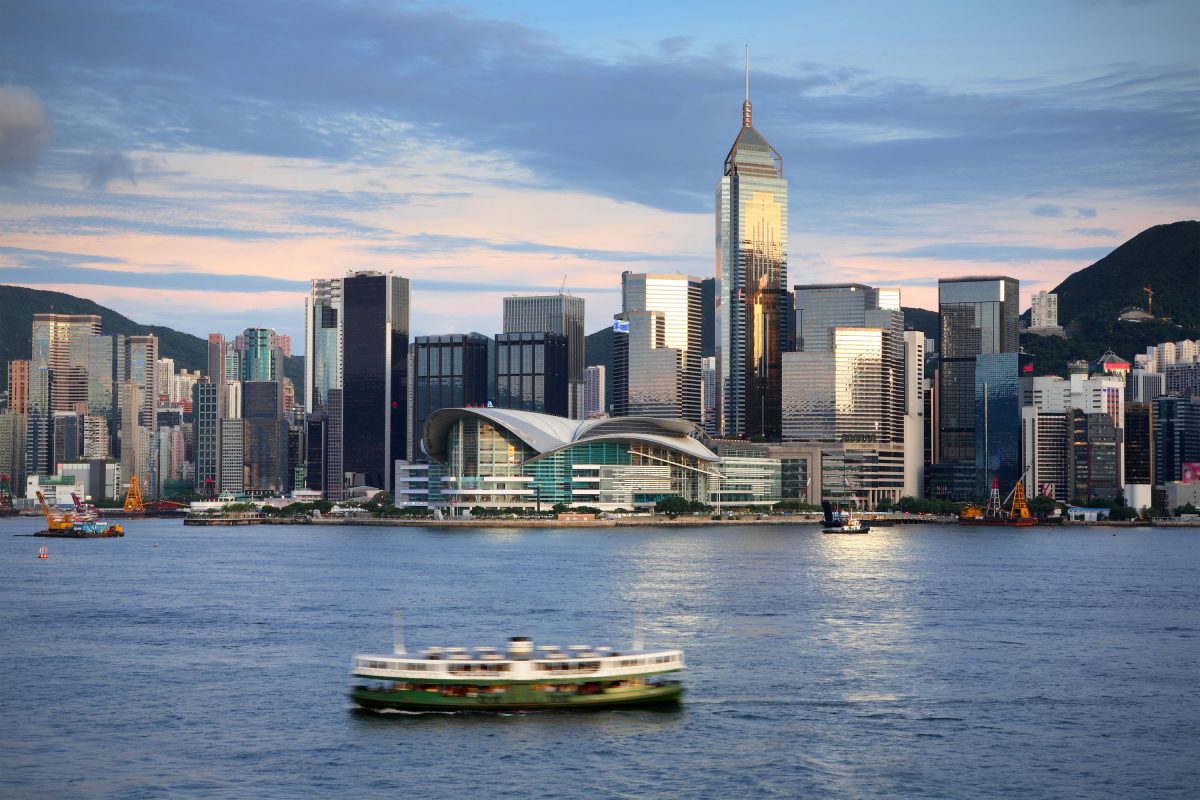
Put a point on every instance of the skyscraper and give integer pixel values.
(677, 298)
(977, 316)
(595, 403)
(374, 376)
(61, 343)
(560, 314)
(262, 360)
(751, 269)
(531, 372)
(265, 444)
(449, 371)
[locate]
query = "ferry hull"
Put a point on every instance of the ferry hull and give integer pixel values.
(68, 534)
(515, 698)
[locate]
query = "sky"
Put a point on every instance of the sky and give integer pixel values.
(197, 164)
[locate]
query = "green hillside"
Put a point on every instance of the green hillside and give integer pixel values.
(18, 305)
(1165, 258)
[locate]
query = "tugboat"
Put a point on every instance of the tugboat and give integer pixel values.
(521, 678)
(994, 513)
(838, 521)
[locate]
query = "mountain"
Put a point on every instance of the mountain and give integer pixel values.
(19, 304)
(924, 320)
(1165, 258)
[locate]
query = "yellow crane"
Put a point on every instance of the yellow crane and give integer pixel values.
(55, 521)
(1149, 290)
(133, 498)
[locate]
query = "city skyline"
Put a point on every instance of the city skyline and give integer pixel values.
(491, 150)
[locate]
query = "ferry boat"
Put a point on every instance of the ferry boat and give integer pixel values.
(521, 678)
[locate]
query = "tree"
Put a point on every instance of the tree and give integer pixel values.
(1042, 506)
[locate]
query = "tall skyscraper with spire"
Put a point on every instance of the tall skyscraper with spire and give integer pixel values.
(751, 270)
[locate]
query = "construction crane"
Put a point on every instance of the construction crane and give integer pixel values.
(55, 521)
(1149, 290)
(133, 498)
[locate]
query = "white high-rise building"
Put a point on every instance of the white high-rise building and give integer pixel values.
(594, 402)
(1043, 312)
(914, 413)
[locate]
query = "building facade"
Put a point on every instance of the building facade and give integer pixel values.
(374, 376)
(559, 314)
(677, 298)
(532, 372)
(446, 372)
(751, 270)
(977, 316)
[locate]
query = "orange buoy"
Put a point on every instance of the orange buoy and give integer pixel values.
(43, 552)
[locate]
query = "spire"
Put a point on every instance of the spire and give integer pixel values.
(746, 109)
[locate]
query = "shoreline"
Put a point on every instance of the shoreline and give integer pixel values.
(643, 522)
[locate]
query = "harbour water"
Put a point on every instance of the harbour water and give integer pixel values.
(924, 661)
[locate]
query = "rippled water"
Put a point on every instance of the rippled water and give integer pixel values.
(926, 661)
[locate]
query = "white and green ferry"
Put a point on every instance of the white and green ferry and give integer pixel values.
(520, 678)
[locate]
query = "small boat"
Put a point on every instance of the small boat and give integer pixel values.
(838, 521)
(521, 678)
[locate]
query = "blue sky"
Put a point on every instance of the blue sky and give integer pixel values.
(196, 164)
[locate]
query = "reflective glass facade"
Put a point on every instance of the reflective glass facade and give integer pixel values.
(647, 375)
(752, 299)
(374, 375)
(561, 314)
(62, 343)
(265, 445)
(997, 421)
(977, 316)
(448, 371)
(1098, 472)
(106, 371)
(531, 372)
(259, 360)
(678, 298)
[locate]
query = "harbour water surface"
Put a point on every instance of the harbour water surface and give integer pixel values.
(926, 661)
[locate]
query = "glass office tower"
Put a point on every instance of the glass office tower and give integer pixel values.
(265, 443)
(997, 421)
(261, 360)
(977, 316)
(647, 375)
(677, 298)
(374, 376)
(531, 372)
(560, 314)
(450, 371)
(751, 269)
(62, 344)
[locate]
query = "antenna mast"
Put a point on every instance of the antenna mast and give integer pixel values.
(746, 114)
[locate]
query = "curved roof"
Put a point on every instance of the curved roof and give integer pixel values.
(545, 433)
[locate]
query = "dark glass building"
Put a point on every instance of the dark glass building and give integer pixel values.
(205, 425)
(1096, 456)
(1176, 423)
(560, 314)
(265, 445)
(977, 316)
(531, 373)
(450, 371)
(1139, 439)
(374, 376)
(997, 421)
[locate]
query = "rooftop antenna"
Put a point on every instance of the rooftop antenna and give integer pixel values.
(746, 113)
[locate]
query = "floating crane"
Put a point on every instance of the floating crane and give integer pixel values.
(54, 520)
(133, 498)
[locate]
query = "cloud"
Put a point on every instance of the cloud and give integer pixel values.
(427, 242)
(1047, 210)
(24, 133)
(101, 169)
(1000, 253)
(57, 272)
(1107, 233)
(1085, 213)
(650, 128)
